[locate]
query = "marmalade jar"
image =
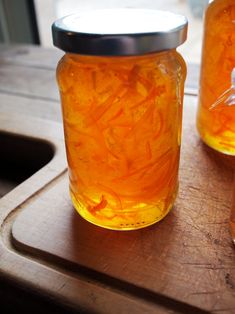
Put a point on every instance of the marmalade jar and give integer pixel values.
(121, 84)
(216, 110)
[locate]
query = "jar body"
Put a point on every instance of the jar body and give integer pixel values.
(216, 123)
(122, 122)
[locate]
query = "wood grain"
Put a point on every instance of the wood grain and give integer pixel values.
(30, 56)
(30, 106)
(28, 81)
(188, 257)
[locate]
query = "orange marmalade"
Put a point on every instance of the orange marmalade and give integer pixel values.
(216, 111)
(122, 120)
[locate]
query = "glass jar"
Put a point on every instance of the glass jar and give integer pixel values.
(121, 88)
(216, 110)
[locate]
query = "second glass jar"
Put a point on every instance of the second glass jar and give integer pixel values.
(216, 110)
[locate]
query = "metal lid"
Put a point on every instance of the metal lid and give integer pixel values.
(119, 32)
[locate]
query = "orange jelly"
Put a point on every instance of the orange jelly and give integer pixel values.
(122, 120)
(216, 111)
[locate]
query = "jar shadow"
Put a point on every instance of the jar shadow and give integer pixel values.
(102, 248)
(130, 262)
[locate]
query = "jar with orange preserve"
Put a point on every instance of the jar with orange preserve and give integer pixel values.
(121, 83)
(216, 111)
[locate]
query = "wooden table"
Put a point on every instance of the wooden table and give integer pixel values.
(53, 260)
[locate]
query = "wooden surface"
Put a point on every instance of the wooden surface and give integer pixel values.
(184, 264)
(188, 256)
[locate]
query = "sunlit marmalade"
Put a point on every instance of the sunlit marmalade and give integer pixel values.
(121, 95)
(216, 112)
(122, 120)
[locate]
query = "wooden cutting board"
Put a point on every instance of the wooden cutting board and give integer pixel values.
(185, 263)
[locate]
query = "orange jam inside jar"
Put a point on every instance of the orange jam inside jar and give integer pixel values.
(122, 113)
(216, 111)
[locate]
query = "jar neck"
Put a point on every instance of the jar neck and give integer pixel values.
(110, 59)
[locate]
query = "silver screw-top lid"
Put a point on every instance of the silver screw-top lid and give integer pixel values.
(119, 32)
